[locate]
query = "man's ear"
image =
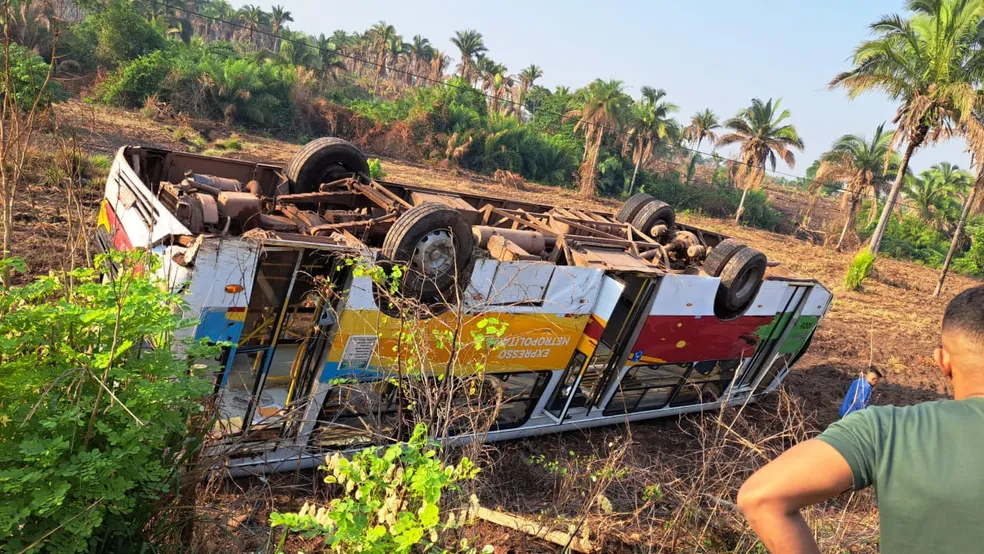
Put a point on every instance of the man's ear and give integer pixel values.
(942, 358)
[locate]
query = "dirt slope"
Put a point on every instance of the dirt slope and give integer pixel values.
(894, 322)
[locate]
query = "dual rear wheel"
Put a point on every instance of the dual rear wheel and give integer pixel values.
(740, 268)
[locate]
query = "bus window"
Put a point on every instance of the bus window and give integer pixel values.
(781, 362)
(357, 414)
(520, 392)
(706, 382)
(238, 392)
(646, 388)
(270, 288)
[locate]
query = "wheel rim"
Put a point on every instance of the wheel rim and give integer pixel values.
(434, 254)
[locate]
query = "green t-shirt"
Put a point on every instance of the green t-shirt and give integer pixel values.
(926, 463)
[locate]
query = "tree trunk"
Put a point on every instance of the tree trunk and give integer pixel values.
(380, 61)
(8, 233)
(876, 238)
(741, 205)
(634, 173)
(956, 234)
(587, 185)
(693, 159)
(872, 210)
(848, 223)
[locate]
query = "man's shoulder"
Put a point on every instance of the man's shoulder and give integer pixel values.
(901, 415)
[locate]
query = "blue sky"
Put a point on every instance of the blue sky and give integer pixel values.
(706, 54)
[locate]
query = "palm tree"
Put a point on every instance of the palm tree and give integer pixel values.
(972, 200)
(382, 35)
(527, 77)
(218, 10)
(471, 45)
(421, 51)
(859, 164)
(603, 107)
(439, 63)
(278, 16)
(329, 59)
(649, 126)
(925, 63)
(297, 49)
(939, 192)
(252, 17)
(763, 137)
(399, 54)
(702, 126)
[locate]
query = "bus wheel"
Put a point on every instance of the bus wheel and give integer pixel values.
(434, 244)
(324, 160)
(652, 213)
(741, 280)
(631, 206)
(720, 255)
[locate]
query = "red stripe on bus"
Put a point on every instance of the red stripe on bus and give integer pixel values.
(676, 339)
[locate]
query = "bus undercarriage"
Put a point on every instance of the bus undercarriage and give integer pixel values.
(599, 318)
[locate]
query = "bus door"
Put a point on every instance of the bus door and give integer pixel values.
(768, 361)
(284, 339)
(622, 307)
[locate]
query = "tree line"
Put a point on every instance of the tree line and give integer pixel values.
(248, 66)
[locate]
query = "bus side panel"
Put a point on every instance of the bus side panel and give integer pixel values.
(682, 327)
(537, 337)
(220, 263)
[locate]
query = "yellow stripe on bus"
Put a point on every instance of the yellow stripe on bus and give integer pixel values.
(531, 342)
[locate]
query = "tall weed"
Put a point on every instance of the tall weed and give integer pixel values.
(860, 269)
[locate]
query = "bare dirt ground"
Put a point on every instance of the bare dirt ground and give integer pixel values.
(893, 322)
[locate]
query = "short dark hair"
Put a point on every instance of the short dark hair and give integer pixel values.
(965, 314)
(876, 371)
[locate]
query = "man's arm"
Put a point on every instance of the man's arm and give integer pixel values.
(771, 499)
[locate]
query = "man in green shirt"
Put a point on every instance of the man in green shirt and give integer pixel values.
(925, 461)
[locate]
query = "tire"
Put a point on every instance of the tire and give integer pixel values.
(324, 160)
(631, 206)
(653, 213)
(741, 280)
(720, 255)
(449, 251)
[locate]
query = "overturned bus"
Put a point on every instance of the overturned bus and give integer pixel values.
(604, 318)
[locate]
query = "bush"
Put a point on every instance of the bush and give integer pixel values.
(860, 268)
(376, 169)
(122, 34)
(28, 74)
(719, 199)
(137, 80)
(94, 425)
(391, 501)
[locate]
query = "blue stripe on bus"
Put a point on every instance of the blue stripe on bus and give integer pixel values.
(214, 326)
(331, 371)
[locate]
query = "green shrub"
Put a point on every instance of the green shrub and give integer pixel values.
(122, 35)
(232, 143)
(390, 501)
(93, 424)
(135, 81)
(860, 268)
(28, 74)
(720, 199)
(376, 169)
